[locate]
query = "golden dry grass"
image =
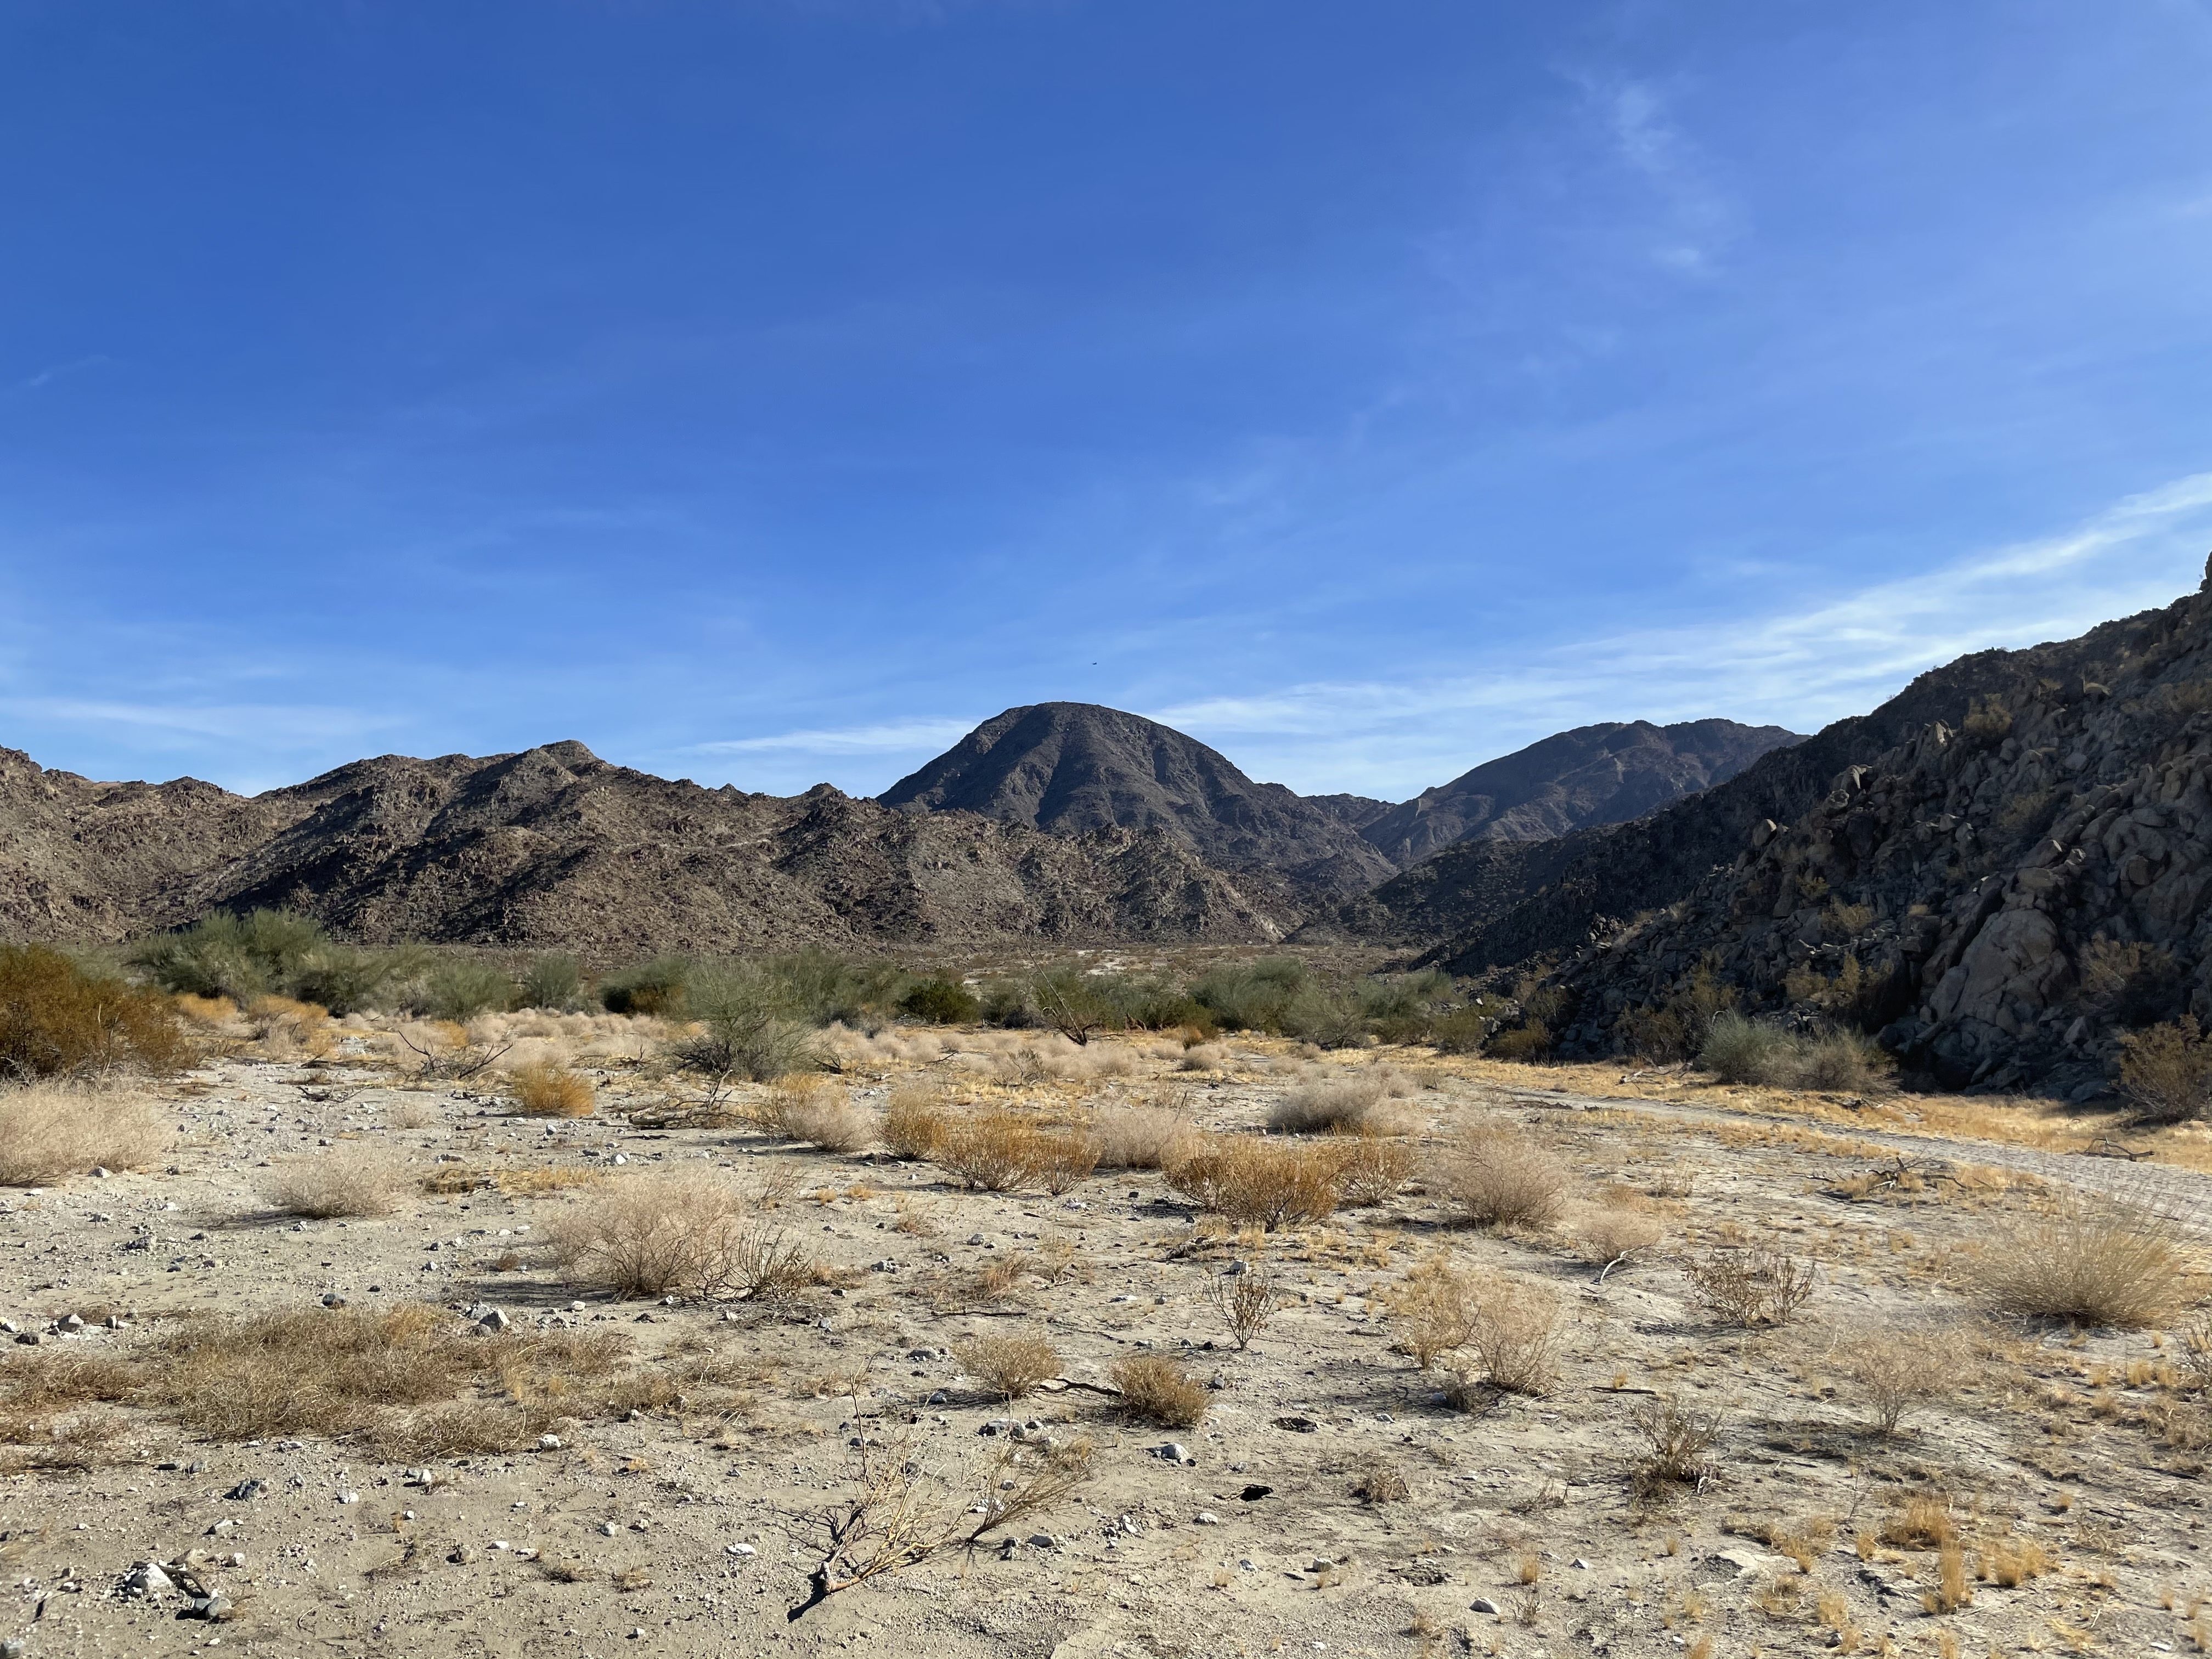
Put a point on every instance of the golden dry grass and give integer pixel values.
(48, 1133)
(2091, 1265)
(1010, 1366)
(544, 1088)
(342, 1182)
(1269, 1184)
(1501, 1177)
(1157, 1390)
(648, 1235)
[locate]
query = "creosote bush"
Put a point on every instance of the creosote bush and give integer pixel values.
(1140, 1136)
(1155, 1389)
(1010, 1366)
(1739, 1050)
(2166, 1071)
(1502, 1178)
(58, 1019)
(992, 1151)
(1370, 1170)
(48, 1133)
(1677, 1444)
(545, 1089)
(2093, 1265)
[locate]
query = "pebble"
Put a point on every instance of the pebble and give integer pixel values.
(549, 1443)
(610, 1528)
(1206, 1518)
(146, 1578)
(349, 1498)
(1174, 1452)
(741, 1549)
(1482, 1604)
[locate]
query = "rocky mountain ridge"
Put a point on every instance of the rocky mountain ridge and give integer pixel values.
(2004, 870)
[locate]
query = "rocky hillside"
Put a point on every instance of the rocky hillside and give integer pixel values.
(1074, 768)
(2001, 870)
(1594, 775)
(556, 847)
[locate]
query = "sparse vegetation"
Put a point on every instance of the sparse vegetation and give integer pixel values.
(340, 1182)
(2166, 1071)
(48, 1133)
(1246, 1302)
(648, 1236)
(1010, 1366)
(60, 1019)
(1268, 1184)
(1740, 1049)
(1676, 1444)
(1500, 1177)
(1750, 1286)
(544, 1088)
(2093, 1265)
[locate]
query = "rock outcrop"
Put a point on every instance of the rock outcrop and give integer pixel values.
(2005, 869)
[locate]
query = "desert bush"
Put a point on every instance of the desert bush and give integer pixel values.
(1466, 1030)
(745, 1025)
(1246, 1302)
(1250, 996)
(1501, 1177)
(1530, 1041)
(1514, 1339)
(1837, 1059)
(1138, 1136)
(1381, 1481)
(1010, 1366)
(1370, 1170)
(554, 983)
(48, 1133)
(58, 1019)
(458, 989)
(1157, 1390)
(1328, 1017)
(546, 1089)
(1337, 1102)
(343, 1181)
(1740, 1049)
(1434, 1308)
(1677, 1444)
(1608, 1237)
(653, 988)
(913, 1124)
(273, 953)
(1064, 1159)
(992, 1151)
(1898, 1375)
(2093, 1265)
(803, 1107)
(318, 1371)
(2166, 1071)
(2128, 980)
(1072, 1003)
(1748, 1287)
(1256, 1181)
(942, 1001)
(753, 1263)
(647, 1235)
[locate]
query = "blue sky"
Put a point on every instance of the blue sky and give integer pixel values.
(764, 392)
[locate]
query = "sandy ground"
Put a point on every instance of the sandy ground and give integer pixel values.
(684, 1527)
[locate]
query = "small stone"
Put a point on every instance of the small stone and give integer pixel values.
(349, 1498)
(28, 1339)
(146, 1578)
(1579, 1562)
(549, 1443)
(72, 1323)
(219, 1608)
(1254, 1494)
(1174, 1452)
(1042, 1540)
(609, 1529)
(461, 1555)
(741, 1549)
(334, 1300)
(101, 1172)
(1483, 1604)
(493, 1320)
(977, 1238)
(245, 1489)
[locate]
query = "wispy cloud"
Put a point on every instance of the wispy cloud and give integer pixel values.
(1696, 219)
(48, 375)
(1799, 664)
(888, 739)
(257, 725)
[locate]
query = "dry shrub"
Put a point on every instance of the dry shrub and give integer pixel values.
(2009, 1562)
(543, 1088)
(1011, 1366)
(1246, 1302)
(1381, 1481)
(1899, 1374)
(1514, 1336)
(1255, 1182)
(46, 1132)
(309, 1371)
(802, 1108)
(285, 1030)
(1610, 1236)
(1370, 1170)
(1334, 1103)
(748, 1263)
(1749, 1288)
(1138, 1136)
(58, 1019)
(1919, 1520)
(2093, 1265)
(913, 1124)
(993, 1150)
(1504, 1178)
(646, 1237)
(1678, 1441)
(343, 1181)
(2167, 1070)
(1157, 1390)
(1065, 1160)
(1434, 1307)
(1203, 1057)
(467, 1428)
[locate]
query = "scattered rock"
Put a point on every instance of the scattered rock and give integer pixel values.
(1205, 1518)
(1483, 1604)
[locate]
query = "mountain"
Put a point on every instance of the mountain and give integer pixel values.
(554, 846)
(2003, 869)
(1072, 768)
(1593, 775)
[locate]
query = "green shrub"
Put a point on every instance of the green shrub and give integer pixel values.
(1530, 1040)
(1006, 1003)
(943, 1001)
(2167, 1070)
(555, 983)
(746, 1025)
(458, 990)
(271, 953)
(60, 1019)
(651, 987)
(1328, 1018)
(1465, 1031)
(1147, 1002)
(1073, 1003)
(1251, 996)
(1739, 1050)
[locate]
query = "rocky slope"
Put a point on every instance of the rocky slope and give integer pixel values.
(556, 847)
(1594, 775)
(2001, 870)
(1072, 768)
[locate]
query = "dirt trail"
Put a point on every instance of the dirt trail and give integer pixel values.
(2184, 1194)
